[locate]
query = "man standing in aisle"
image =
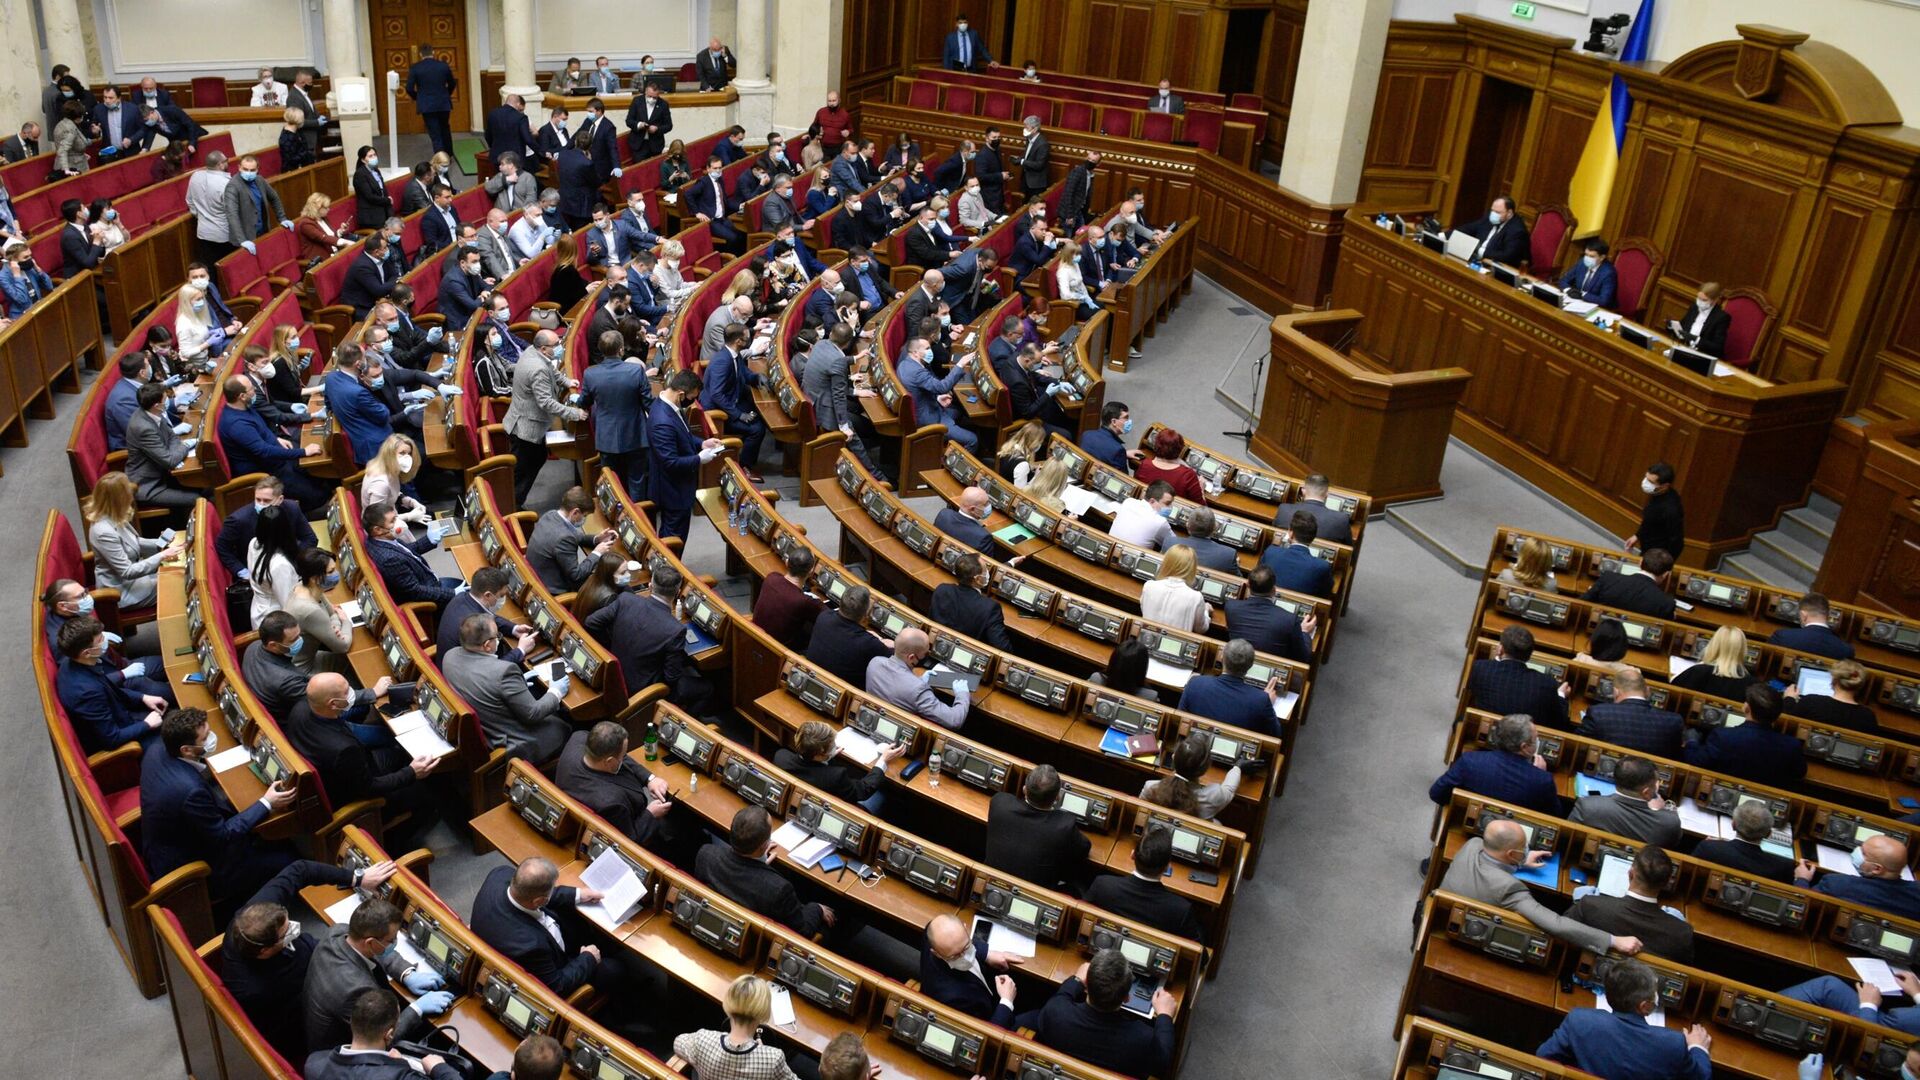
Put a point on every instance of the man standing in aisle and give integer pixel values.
(430, 83)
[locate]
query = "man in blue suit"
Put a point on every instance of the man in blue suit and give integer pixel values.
(514, 912)
(1814, 635)
(1756, 750)
(1507, 772)
(578, 180)
(402, 569)
(439, 224)
(236, 532)
(647, 302)
(617, 394)
(631, 224)
(462, 289)
(430, 83)
(1230, 698)
(1295, 567)
(605, 245)
(677, 455)
(116, 123)
(1631, 721)
(252, 447)
(970, 284)
(1878, 884)
(351, 398)
(955, 969)
(1104, 442)
(1504, 683)
(962, 520)
(1267, 626)
(1034, 247)
(964, 51)
(603, 143)
(785, 240)
(508, 131)
(1593, 280)
(710, 201)
(1623, 1044)
(933, 398)
(185, 817)
(104, 710)
(369, 277)
(123, 398)
(728, 387)
(170, 123)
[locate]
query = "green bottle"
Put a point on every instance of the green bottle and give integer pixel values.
(652, 743)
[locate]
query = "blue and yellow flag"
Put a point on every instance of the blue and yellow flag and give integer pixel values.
(1592, 180)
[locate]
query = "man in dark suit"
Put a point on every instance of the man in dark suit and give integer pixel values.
(603, 145)
(486, 594)
(462, 288)
(812, 761)
(77, 250)
(1642, 591)
(1594, 279)
(431, 83)
(1663, 521)
(1813, 635)
(1630, 721)
(1511, 771)
(405, 574)
(926, 246)
(964, 605)
(728, 388)
(103, 710)
(1208, 553)
(185, 817)
(1032, 394)
(170, 123)
(1752, 825)
(1075, 197)
(578, 180)
(1505, 684)
(1756, 750)
(1268, 627)
(715, 65)
(515, 913)
(959, 972)
(709, 200)
(1638, 914)
(963, 49)
(23, 145)
(375, 1017)
(509, 132)
(992, 171)
(1336, 527)
(1030, 837)
(677, 455)
(1142, 896)
(849, 228)
(1230, 698)
(1705, 326)
(618, 396)
(649, 119)
(841, 644)
(1295, 567)
(560, 552)
(971, 285)
(595, 769)
(1634, 809)
(357, 759)
(116, 123)
(1034, 159)
(1502, 235)
(1621, 1042)
(439, 224)
(1034, 248)
(1879, 884)
(1084, 1018)
(962, 520)
(368, 278)
(649, 643)
(738, 870)
(356, 956)
(553, 136)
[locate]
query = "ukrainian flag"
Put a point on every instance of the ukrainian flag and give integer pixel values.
(1593, 178)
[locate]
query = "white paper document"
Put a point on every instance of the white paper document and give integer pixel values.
(1166, 674)
(351, 609)
(856, 746)
(1006, 939)
(620, 888)
(782, 1002)
(417, 737)
(1877, 973)
(809, 852)
(1658, 1017)
(1840, 861)
(231, 758)
(1078, 499)
(1677, 664)
(342, 909)
(1579, 307)
(1613, 876)
(789, 836)
(1283, 705)
(1697, 819)
(559, 437)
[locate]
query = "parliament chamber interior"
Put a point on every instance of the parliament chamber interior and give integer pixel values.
(825, 539)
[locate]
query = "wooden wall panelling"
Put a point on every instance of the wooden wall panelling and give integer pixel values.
(1874, 558)
(1421, 100)
(1887, 385)
(1279, 68)
(872, 48)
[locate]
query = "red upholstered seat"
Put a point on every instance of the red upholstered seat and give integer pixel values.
(1636, 263)
(1247, 101)
(1551, 227)
(1157, 127)
(1202, 128)
(997, 105)
(922, 94)
(1077, 115)
(209, 92)
(960, 99)
(1036, 105)
(1117, 121)
(1751, 314)
(688, 73)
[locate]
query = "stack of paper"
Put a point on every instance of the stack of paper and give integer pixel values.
(782, 1015)
(1878, 973)
(1078, 499)
(1613, 876)
(342, 909)
(789, 836)
(810, 851)
(1166, 674)
(417, 737)
(1658, 1017)
(559, 437)
(620, 888)
(1580, 307)
(1697, 819)
(856, 746)
(1005, 938)
(1677, 664)
(351, 609)
(230, 758)
(1283, 705)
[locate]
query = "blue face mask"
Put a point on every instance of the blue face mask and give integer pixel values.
(299, 643)
(1126, 426)
(84, 605)
(112, 215)
(379, 382)
(385, 347)
(332, 579)
(1163, 511)
(393, 328)
(1906, 1073)
(1859, 856)
(249, 174)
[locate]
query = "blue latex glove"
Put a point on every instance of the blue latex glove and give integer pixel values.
(175, 380)
(460, 588)
(423, 394)
(182, 429)
(436, 334)
(449, 390)
(423, 979)
(1813, 1067)
(248, 245)
(561, 685)
(243, 574)
(285, 223)
(299, 408)
(113, 638)
(413, 412)
(616, 174)
(190, 443)
(135, 669)
(435, 532)
(433, 1004)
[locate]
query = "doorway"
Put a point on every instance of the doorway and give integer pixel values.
(1240, 54)
(1492, 163)
(398, 28)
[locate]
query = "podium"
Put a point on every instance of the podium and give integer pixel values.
(1329, 409)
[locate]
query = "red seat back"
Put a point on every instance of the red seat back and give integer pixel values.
(1550, 229)
(1247, 101)
(960, 99)
(997, 105)
(327, 279)
(923, 95)
(689, 73)
(1036, 105)
(209, 92)
(1156, 127)
(1203, 127)
(1077, 115)
(1116, 121)
(1751, 314)
(1635, 264)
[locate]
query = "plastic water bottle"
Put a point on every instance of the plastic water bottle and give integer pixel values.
(933, 767)
(740, 519)
(733, 514)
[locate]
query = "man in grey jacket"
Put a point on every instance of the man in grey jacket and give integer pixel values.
(714, 335)
(1483, 871)
(154, 450)
(355, 957)
(828, 382)
(1635, 810)
(207, 201)
(252, 205)
(560, 553)
(525, 726)
(539, 397)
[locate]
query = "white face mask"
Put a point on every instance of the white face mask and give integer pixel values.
(209, 744)
(1493, 216)
(1648, 486)
(405, 461)
(269, 370)
(198, 282)
(1703, 304)
(1592, 260)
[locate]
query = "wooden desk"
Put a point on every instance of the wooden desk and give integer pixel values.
(1577, 410)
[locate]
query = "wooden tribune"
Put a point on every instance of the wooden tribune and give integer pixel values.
(1334, 410)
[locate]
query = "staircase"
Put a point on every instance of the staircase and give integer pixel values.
(1789, 556)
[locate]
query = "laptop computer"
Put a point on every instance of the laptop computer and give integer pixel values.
(1461, 245)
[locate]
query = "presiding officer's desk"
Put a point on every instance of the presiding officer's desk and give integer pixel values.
(1580, 411)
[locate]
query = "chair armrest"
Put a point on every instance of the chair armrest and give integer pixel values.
(421, 614)
(431, 318)
(117, 769)
(241, 641)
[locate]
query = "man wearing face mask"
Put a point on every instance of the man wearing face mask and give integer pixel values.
(562, 556)
(185, 816)
(678, 455)
(463, 289)
(778, 209)
(618, 394)
(1878, 883)
(369, 278)
(1622, 1041)
(1663, 521)
(154, 449)
(270, 672)
(105, 711)
(167, 122)
(486, 594)
(964, 51)
(252, 447)
(649, 119)
(856, 225)
(739, 870)
(499, 320)
(646, 635)
(66, 600)
(265, 954)
(962, 520)
(709, 200)
(1483, 870)
(1142, 521)
(866, 280)
(958, 971)
(1033, 249)
(236, 532)
(926, 245)
(1502, 235)
(1593, 280)
(728, 387)
(636, 233)
(933, 398)
(357, 956)
(358, 758)
(252, 206)
(1104, 442)
(403, 391)
(965, 606)
(415, 347)
(539, 398)
(642, 299)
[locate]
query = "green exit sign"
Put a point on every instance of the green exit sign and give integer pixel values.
(1523, 10)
